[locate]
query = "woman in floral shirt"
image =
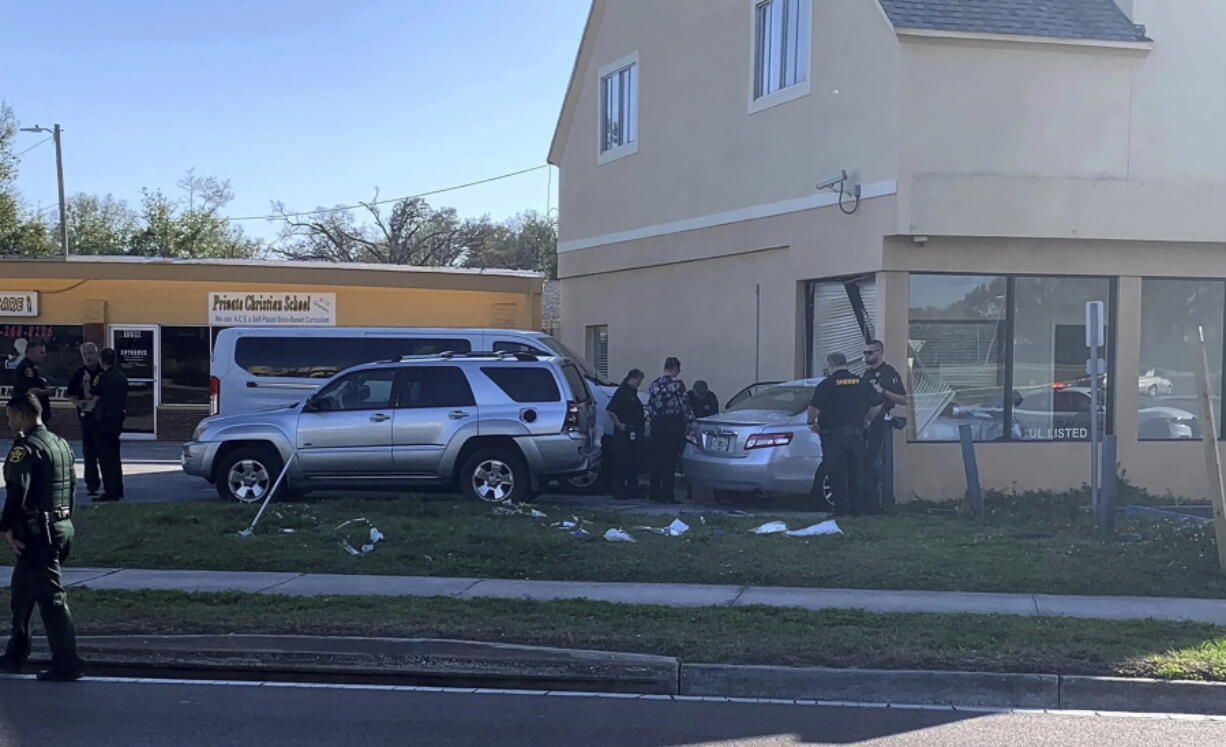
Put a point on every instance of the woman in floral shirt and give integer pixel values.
(669, 408)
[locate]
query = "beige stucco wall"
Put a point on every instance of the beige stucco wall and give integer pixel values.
(700, 151)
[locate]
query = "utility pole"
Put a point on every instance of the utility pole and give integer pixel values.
(56, 131)
(59, 176)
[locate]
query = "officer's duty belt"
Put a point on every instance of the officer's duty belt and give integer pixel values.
(58, 514)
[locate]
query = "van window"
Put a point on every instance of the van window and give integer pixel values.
(503, 346)
(435, 386)
(575, 381)
(524, 384)
(324, 357)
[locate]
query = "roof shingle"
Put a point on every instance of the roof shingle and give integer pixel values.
(1061, 19)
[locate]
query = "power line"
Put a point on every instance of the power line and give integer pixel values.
(341, 208)
(32, 147)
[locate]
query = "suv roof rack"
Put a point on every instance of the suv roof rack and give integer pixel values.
(500, 355)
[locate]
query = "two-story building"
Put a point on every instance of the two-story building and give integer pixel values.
(989, 167)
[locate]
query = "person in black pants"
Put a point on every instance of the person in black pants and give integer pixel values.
(109, 415)
(887, 393)
(629, 421)
(837, 411)
(670, 415)
(82, 390)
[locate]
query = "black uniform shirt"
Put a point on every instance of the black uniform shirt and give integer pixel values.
(628, 409)
(27, 377)
(843, 400)
(76, 385)
(704, 405)
(887, 376)
(112, 395)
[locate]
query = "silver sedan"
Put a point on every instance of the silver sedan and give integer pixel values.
(761, 444)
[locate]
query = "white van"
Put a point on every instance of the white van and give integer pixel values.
(264, 368)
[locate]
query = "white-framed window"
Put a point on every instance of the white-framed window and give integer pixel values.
(782, 51)
(618, 118)
(598, 349)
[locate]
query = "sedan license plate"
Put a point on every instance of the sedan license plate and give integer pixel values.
(719, 443)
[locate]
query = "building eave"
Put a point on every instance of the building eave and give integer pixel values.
(905, 34)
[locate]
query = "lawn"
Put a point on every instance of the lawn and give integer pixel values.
(748, 635)
(1030, 544)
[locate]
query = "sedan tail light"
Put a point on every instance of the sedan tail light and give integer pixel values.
(214, 395)
(768, 440)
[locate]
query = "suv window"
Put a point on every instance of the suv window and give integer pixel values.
(435, 386)
(575, 381)
(525, 384)
(361, 390)
(325, 357)
(503, 346)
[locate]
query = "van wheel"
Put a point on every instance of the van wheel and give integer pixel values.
(247, 473)
(495, 476)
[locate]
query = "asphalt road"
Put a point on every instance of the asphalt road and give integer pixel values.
(98, 713)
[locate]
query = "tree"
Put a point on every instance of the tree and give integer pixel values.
(191, 226)
(528, 241)
(101, 225)
(411, 233)
(20, 234)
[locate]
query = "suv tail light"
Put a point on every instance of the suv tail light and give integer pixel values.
(768, 440)
(572, 425)
(214, 395)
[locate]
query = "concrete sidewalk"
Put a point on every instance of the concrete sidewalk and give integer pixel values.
(671, 595)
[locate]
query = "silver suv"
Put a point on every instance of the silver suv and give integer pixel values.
(496, 424)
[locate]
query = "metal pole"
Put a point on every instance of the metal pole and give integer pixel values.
(1209, 437)
(1095, 498)
(272, 491)
(59, 175)
(973, 488)
(757, 341)
(1106, 518)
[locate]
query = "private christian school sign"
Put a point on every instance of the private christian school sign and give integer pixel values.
(233, 309)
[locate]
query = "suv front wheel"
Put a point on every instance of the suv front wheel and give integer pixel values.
(247, 473)
(495, 476)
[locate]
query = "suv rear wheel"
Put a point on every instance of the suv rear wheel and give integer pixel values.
(495, 475)
(247, 473)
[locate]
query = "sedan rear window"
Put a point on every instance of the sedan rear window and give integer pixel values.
(524, 384)
(790, 399)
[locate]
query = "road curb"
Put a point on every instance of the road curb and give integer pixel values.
(985, 690)
(1157, 696)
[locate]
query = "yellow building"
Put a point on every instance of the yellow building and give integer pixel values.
(163, 314)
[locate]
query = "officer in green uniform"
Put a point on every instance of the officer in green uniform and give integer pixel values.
(40, 487)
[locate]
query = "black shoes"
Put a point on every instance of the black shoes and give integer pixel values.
(108, 498)
(51, 675)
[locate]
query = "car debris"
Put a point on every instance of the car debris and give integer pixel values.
(675, 529)
(817, 530)
(771, 527)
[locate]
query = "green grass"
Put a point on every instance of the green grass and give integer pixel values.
(1029, 544)
(748, 635)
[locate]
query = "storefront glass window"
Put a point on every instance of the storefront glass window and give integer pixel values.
(1051, 387)
(957, 348)
(63, 356)
(1171, 312)
(185, 366)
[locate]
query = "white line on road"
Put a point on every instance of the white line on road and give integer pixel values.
(632, 696)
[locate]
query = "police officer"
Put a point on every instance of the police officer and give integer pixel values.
(40, 487)
(629, 420)
(82, 390)
(837, 412)
(109, 414)
(28, 379)
(887, 392)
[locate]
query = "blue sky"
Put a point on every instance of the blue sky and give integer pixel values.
(312, 102)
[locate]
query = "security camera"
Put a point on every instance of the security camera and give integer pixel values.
(833, 181)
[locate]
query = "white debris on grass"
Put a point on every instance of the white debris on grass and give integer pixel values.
(617, 535)
(511, 509)
(817, 530)
(375, 536)
(675, 529)
(771, 527)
